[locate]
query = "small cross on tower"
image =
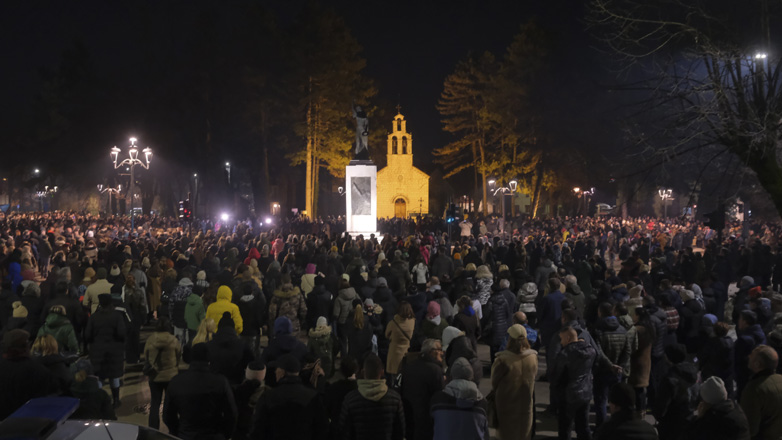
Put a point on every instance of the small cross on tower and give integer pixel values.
(398, 109)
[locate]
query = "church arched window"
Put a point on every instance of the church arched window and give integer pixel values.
(393, 145)
(399, 124)
(404, 144)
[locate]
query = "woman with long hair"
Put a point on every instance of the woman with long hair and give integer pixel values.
(359, 334)
(206, 330)
(513, 382)
(163, 352)
(47, 352)
(642, 336)
(399, 332)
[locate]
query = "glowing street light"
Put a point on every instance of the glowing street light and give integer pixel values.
(502, 190)
(665, 196)
(131, 161)
(110, 190)
(224, 216)
(761, 56)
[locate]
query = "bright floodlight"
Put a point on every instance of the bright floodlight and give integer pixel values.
(133, 140)
(37, 171)
(576, 189)
(268, 220)
(195, 174)
(228, 164)
(761, 56)
(260, 223)
(491, 182)
(224, 217)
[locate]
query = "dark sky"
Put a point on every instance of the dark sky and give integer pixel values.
(410, 46)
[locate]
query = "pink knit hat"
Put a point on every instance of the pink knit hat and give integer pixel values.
(432, 310)
(310, 268)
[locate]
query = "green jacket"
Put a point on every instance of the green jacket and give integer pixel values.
(194, 312)
(61, 328)
(761, 401)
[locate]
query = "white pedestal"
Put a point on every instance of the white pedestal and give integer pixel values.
(361, 198)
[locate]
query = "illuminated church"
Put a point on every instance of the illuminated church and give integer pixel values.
(402, 189)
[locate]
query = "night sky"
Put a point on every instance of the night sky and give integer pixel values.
(410, 46)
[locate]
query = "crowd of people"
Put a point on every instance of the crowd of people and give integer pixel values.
(297, 330)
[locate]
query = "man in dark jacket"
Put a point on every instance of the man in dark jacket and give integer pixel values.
(199, 404)
(336, 392)
(762, 397)
(385, 299)
(228, 355)
(252, 308)
(675, 396)
(421, 379)
(291, 410)
(718, 416)
(177, 302)
(750, 335)
(21, 377)
(572, 373)
(501, 313)
(624, 423)
(550, 312)
(372, 411)
(612, 338)
(318, 302)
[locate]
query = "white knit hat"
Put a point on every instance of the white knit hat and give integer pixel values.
(713, 390)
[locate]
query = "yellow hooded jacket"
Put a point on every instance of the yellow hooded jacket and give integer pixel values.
(224, 304)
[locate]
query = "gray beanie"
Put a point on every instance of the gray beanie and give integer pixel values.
(461, 369)
(713, 390)
(746, 281)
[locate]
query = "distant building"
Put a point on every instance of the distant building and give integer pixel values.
(402, 189)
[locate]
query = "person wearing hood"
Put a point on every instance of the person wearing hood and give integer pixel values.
(289, 302)
(456, 345)
(717, 416)
(224, 304)
(571, 372)
(674, 400)
(177, 302)
(749, 335)
(252, 308)
(543, 273)
(513, 376)
(94, 403)
(322, 343)
(58, 325)
(372, 411)
(228, 355)
(105, 333)
(343, 306)
(434, 292)
(318, 303)
(459, 410)
(163, 351)
(308, 279)
(574, 294)
(432, 327)
(194, 314)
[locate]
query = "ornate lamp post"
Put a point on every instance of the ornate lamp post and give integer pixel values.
(46, 191)
(111, 191)
(131, 161)
(502, 190)
(665, 196)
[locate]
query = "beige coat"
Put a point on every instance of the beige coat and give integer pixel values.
(513, 381)
(399, 337)
(164, 352)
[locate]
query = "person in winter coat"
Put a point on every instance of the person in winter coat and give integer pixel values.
(761, 399)
(199, 404)
(572, 372)
(47, 352)
(750, 335)
(513, 376)
(385, 299)
(399, 332)
(291, 410)
(135, 303)
(642, 336)
(94, 403)
(195, 312)
(323, 345)
(718, 416)
(467, 321)
(422, 377)
(73, 308)
(289, 302)
(574, 294)
(318, 302)
(675, 400)
(177, 302)
(456, 345)
(484, 281)
(284, 342)
(372, 411)
(501, 313)
(717, 356)
(252, 307)
(57, 325)
(625, 422)
(432, 327)
(228, 355)
(31, 299)
(163, 351)
(105, 333)
(224, 304)
(459, 410)
(615, 344)
(21, 377)
(690, 314)
(550, 312)
(359, 334)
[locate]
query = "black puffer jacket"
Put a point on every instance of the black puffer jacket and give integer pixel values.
(318, 304)
(691, 314)
(363, 418)
(572, 372)
(716, 359)
(722, 420)
(501, 313)
(291, 410)
(612, 338)
(229, 355)
(676, 399)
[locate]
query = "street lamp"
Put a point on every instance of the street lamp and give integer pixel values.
(131, 161)
(665, 196)
(46, 191)
(111, 191)
(502, 190)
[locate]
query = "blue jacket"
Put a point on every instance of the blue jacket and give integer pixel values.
(454, 417)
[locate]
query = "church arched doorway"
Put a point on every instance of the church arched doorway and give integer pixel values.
(400, 208)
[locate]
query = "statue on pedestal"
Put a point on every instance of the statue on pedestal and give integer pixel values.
(362, 132)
